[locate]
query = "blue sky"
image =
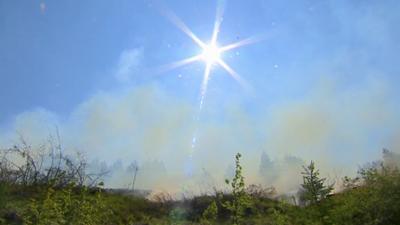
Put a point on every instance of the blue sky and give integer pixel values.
(325, 79)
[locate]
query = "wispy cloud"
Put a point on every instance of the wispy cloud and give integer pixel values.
(129, 64)
(43, 7)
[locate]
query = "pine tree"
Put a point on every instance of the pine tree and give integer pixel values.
(267, 168)
(313, 188)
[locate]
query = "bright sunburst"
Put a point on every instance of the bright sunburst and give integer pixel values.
(211, 52)
(211, 55)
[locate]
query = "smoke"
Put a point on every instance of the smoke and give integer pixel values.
(394, 140)
(333, 122)
(282, 173)
(339, 128)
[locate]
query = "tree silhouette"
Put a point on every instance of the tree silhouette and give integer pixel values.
(313, 188)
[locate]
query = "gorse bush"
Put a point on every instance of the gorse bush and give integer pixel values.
(68, 206)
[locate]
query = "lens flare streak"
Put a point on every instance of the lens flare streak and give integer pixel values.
(178, 64)
(241, 43)
(183, 27)
(204, 85)
(233, 74)
(211, 55)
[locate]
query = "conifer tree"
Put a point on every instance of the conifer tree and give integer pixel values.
(313, 188)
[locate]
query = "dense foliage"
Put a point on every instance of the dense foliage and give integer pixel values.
(29, 197)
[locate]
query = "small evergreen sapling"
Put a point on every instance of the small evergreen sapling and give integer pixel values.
(313, 188)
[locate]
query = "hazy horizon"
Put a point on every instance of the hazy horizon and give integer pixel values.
(319, 81)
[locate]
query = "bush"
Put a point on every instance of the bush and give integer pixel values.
(240, 199)
(210, 214)
(68, 206)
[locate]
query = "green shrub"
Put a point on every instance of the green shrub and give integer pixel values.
(67, 206)
(210, 215)
(241, 200)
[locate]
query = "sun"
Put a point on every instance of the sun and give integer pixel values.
(211, 53)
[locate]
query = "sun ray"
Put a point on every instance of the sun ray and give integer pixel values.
(177, 64)
(233, 74)
(218, 21)
(204, 84)
(211, 55)
(183, 27)
(241, 43)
